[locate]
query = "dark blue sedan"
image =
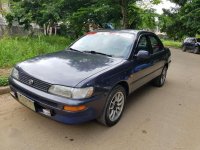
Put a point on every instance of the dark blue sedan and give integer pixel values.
(93, 77)
(191, 44)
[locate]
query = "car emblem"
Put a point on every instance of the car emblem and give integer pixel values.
(30, 82)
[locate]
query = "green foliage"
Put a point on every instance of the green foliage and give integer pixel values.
(76, 16)
(182, 22)
(17, 49)
(3, 81)
(96, 14)
(148, 19)
(38, 11)
(141, 18)
(179, 2)
(190, 16)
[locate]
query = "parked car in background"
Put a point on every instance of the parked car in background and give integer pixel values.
(93, 77)
(191, 44)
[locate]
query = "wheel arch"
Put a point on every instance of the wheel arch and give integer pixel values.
(125, 85)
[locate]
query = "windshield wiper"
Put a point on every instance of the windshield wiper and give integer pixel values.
(94, 52)
(75, 50)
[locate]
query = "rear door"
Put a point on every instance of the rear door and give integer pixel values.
(158, 54)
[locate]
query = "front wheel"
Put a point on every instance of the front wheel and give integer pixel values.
(114, 107)
(196, 50)
(184, 49)
(160, 80)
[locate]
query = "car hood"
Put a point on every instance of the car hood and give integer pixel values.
(66, 67)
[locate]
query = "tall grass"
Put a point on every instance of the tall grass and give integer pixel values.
(17, 49)
(170, 43)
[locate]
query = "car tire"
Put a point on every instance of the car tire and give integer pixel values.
(160, 80)
(184, 49)
(114, 107)
(196, 50)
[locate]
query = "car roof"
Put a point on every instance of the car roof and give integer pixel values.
(125, 31)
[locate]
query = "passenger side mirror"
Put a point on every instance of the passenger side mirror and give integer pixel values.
(142, 54)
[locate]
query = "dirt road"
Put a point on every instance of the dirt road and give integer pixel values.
(165, 118)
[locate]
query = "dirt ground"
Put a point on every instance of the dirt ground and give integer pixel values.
(166, 118)
(5, 72)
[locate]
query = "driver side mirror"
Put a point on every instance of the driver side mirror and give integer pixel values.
(142, 54)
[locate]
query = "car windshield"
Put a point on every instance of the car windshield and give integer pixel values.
(198, 39)
(107, 43)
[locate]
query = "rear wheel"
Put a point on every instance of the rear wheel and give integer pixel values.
(114, 107)
(160, 80)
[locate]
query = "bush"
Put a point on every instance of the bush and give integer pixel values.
(17, 49)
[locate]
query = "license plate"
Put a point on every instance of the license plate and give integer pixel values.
(26, 101)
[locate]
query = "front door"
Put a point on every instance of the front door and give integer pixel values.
(141, 68)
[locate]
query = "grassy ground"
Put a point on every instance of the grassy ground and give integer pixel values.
(17, 49)
(3, 81)
(170, 43)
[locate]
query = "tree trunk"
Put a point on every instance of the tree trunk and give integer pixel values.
(50, 30)
(55, 30)
(1, 6)
(45, 29)
(124, 10)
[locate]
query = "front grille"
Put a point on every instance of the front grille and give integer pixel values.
(38, 84)
(34, 97)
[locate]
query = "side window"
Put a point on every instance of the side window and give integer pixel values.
(155, 44)
(143, 44)
(193, 40)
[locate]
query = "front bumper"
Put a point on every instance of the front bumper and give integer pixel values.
(43, 100)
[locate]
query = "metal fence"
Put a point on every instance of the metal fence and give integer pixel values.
(17, 30)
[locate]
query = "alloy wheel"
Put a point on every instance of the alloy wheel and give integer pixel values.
(116, 106)
(163, 75)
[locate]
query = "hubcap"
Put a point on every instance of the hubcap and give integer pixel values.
(163, 76)
(116, 106)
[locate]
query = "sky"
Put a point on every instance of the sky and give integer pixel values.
(164, 4)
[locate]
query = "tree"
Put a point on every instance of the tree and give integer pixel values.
(184, 21)
(190, 17)
(78, 15)
(37, 11)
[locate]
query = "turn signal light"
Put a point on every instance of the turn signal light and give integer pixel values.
(74, 108)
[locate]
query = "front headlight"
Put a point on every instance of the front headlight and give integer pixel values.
(74, 93)
(15, 73)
